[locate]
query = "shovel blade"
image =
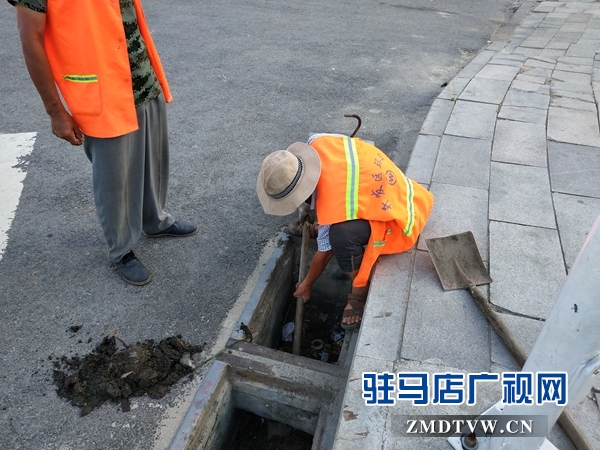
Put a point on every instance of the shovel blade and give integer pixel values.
(446, 252)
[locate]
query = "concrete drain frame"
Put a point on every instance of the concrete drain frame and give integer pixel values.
(250, 375)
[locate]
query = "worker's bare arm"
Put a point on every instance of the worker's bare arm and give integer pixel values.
(317, 266)
(31, 26)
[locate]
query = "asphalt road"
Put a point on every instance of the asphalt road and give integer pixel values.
(248, 77)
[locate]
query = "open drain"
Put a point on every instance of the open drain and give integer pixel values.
(257, 376)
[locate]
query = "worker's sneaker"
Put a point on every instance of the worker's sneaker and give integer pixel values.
(180, 228)
(132, 270)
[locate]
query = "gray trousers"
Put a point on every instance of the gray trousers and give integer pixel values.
(130, 177)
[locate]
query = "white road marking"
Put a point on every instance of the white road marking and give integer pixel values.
(12, 147)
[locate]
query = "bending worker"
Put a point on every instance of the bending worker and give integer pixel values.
(365, 207)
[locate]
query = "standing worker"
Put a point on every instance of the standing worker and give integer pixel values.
(102, 59)
(365, 207)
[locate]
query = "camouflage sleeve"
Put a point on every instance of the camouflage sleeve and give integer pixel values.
(36, 5)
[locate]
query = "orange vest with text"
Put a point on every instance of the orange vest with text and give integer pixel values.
(358, 181)
(86, 46)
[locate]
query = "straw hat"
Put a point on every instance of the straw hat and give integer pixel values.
(287, 178)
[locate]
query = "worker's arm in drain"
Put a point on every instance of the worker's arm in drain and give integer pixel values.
(317, 266)
(32, 25)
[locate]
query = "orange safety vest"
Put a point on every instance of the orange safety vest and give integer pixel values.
(358, 181)
(86, 46)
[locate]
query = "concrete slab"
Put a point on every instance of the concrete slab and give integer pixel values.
(574, 169)
(532, 79)
(572, 77)
(384, 317)
(521, 194)
(463, 162)
(476, 64)
(499, 72)
(536, 72)
(523, 114)
(454, 88)
(485, 90)
(575, 216)
(586, 97)
(437, 118)
(580, 50)
(527, 268)
(446, 326)
(524, 84)
(462, 121)
(361, 426)
(584, 88)
(520, 143)
(568, 67)
(422, 159)
(570, 60)
(572, 103)
(528, 51)
(449, 215)
(573, 127)
(552, 53)
(516, 97)
(543, 63)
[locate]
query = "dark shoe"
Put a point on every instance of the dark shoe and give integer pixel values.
(180, 228)
(132, 270)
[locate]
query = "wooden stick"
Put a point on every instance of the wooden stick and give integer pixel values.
(300, 301)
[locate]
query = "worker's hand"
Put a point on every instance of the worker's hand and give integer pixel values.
(303, 290)
(65, 127)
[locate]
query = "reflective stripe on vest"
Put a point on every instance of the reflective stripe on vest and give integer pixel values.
(410, 207)
(352, 172)
(81, 78)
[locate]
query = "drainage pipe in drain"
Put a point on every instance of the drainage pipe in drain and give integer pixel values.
(300, 300)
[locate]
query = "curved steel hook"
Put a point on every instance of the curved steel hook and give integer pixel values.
(357, 117)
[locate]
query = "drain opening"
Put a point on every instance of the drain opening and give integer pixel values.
(255, 432)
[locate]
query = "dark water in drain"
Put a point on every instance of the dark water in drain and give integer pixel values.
(258, 433)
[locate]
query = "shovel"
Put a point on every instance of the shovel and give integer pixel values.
(459, 266)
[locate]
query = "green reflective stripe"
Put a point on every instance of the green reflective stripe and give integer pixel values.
(352, 172)
(378, 243)
(81, 78)
(410, 207)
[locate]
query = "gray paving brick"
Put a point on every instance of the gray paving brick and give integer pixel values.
(454, 88)
(572, 103)
(520, 194)
(527, 51)
(537, 71)
(528, 86)
(547, 7)
(471, 119)
(437, 118)
(476, 64)
(586, 97)
(574, 127)
(385, 314)
(573, 27)
(520, 143)
(523, 114)
(532, 79)
(574, 169)
(579, 50)
(527, 268)
(448, 216)
(536, 42)
(570, 37)
(485, 90)
(446, 326)
(498, 72)
(422, 159)
(569, 67)
(573, 87)
(572, 77)
(552, 53)
(463, 162)
(558, 44)
(575, 216)
(516, 97)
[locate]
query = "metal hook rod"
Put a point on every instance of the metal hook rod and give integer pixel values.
(357, 126)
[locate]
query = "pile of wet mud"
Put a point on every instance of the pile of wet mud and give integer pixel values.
(112, 374)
